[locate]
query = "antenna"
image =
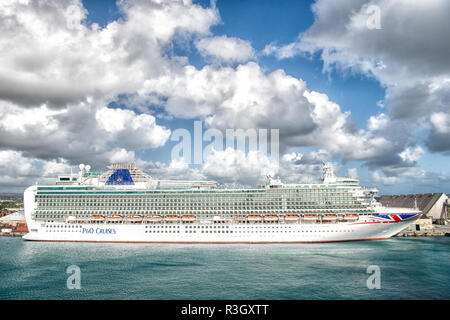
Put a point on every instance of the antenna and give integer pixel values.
(415, 203)
(328, 173)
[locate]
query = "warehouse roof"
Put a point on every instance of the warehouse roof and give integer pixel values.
(15, 216)
(424, 201)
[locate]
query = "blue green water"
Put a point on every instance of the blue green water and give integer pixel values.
(410, 268)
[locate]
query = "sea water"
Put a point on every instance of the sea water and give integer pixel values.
(398, 268)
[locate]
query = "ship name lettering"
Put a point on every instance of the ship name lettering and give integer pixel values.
(105, 231)
(88, 230)
(98, 231)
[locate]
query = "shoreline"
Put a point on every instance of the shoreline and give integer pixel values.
(405, 234)
(435, 231)
(402, 234)
(13, 234)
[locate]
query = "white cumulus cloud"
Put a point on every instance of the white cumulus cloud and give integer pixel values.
(226, 49)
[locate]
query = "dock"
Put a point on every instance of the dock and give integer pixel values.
(435, 231)
(422, 234)
(13, 234)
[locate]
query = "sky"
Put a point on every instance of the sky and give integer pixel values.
(364, 85)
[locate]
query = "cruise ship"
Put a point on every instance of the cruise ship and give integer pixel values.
(126, 205)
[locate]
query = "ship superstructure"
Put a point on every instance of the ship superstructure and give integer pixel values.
(127, 205)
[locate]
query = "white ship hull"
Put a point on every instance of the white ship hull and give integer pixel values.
(212, 233)
(123, 213)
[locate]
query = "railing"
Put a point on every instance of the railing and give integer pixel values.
(262, 218)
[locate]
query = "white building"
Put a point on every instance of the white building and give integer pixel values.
(432, 205)
(13, 218)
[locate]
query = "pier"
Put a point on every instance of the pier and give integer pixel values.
(13, 233)
(435, 231)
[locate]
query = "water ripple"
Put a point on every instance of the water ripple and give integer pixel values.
(410, 269)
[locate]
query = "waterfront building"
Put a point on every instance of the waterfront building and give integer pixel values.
(434, 206)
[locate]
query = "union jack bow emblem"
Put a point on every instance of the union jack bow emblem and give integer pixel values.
(394, 217)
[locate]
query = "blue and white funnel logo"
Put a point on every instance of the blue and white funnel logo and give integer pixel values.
(120, 177)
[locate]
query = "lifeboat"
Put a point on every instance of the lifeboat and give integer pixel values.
(97, 218)
(270, 218)
(309, 218)
(153, 218)
(114, 217)
(172, 218)
(329, 217)
(351, 217)
(291, 217)
(71, 219)
(254, 218)
(238, 219)
(134, 218)
(188, 218)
